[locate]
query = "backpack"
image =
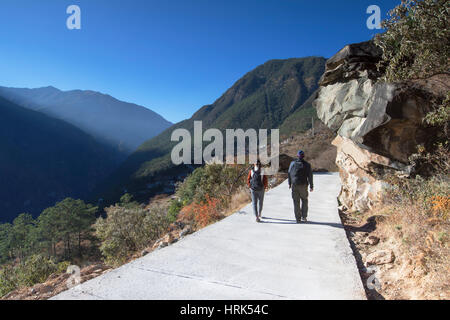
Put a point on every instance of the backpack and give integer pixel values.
(256, 182)
(298, 173)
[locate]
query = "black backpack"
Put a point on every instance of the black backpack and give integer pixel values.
(256, 182)
(298, 173)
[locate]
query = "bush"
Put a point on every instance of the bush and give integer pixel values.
(35, 269)
(440, 116)
(440, 206)
(213, 179)
(62, 266)
(435, 163)
(174, 209)
(8, 280)
(416, 43)
(417, 191)
(128, 229)
(203, 213)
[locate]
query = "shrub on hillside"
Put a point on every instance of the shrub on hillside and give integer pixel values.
(5, 242)
(416, 43)
(418, 192)
(174, 209)
(440, 206)
(35, 269)
(127, 229)
(440, 116)
(8, 279)
(217, 181)
(203, 213)
(220, 180)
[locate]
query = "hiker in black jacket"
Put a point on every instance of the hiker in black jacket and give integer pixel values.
(299, 177)
(257, 182)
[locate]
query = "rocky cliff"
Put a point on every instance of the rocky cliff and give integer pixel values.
(379, 124)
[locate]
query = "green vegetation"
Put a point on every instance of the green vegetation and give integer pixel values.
(213, 180)
(127, 228)
(68, 221)
(31, 248)
(8, 280)
(69, 233)
(440, 116)
(416, 43)
(301, 120)
(206, 193)
(34, 269)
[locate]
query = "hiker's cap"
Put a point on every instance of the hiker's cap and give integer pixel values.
(300, 154)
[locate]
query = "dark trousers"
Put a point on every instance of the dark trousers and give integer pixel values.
(257, 201)
(300, 193)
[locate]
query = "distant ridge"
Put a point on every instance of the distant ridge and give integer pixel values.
(122, 125)
(44, 160)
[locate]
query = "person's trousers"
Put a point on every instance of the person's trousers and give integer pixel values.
(300, 193)
(257, 201)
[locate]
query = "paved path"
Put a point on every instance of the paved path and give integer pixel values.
(238, 258)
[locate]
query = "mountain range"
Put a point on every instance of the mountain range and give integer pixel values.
(43, 160)
(121, 125)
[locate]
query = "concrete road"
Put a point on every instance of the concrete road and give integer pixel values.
(238, 258)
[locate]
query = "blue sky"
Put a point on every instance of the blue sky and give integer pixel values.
(172, 56)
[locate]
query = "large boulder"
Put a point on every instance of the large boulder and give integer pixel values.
(379, 124)
(352, 62)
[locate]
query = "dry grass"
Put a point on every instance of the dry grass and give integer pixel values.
(239, 200)
(413, 223)
(422, 250)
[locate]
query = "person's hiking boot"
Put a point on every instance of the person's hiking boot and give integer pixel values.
(304, 220)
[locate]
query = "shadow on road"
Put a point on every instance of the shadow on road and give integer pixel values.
(278, 219)
(331, 224)
(279, 222)
(287, 221)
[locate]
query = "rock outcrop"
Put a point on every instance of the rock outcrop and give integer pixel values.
(379, 124)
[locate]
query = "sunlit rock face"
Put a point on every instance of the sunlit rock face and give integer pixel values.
(379, 124)
(359, 169)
